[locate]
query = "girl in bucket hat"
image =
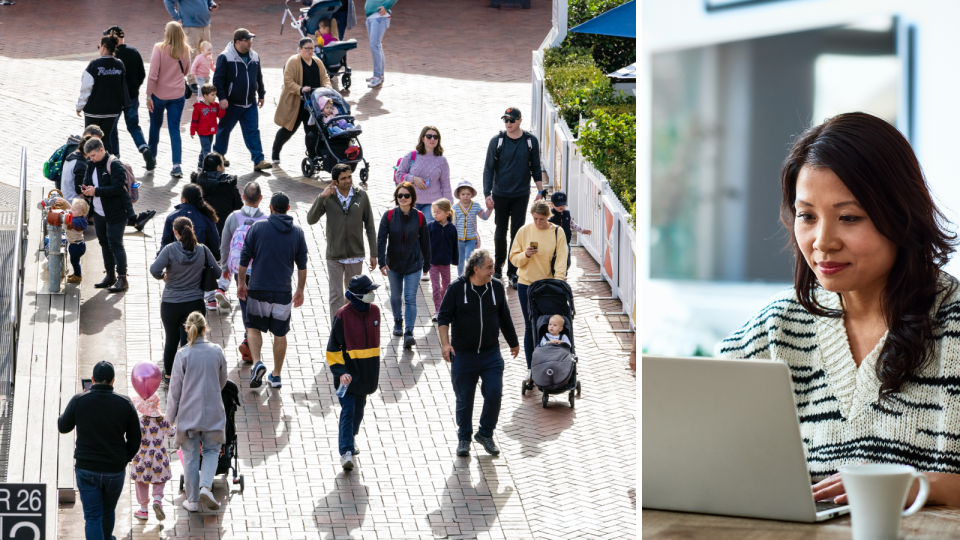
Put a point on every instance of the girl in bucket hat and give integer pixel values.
(465, 213)
(151, 465)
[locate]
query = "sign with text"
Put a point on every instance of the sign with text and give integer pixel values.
(23, 511)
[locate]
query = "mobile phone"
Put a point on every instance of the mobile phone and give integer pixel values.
(87, 383)
(534, 245)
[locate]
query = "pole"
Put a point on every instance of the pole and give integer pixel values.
(54, 257)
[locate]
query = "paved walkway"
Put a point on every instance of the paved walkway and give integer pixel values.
(562, 473)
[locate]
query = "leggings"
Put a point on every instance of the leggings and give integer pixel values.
(174, 315)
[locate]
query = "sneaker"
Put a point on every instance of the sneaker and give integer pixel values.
(143, 218)
(375, 82)
(211, 305)
(141, 514)
(158, 509)
(195, 89)
(166, 380)
(275, 161)
(222, 300)
(274, 381)
(259, 370)
(148, 158)
(245, 352)
(408, 340)
(177, 172)
(190, 506)
(263, 165)
(425, 277)
(398, 327)
(208, 501)
(463, 447)
(488, 444)
(514, 281)
(434, 318)
(346, 461)
(226, 162)
(356, 449)
(74, 278)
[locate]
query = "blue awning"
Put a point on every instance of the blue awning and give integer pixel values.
(619, 21)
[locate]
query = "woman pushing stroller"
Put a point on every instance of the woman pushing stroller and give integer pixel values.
(302, 74)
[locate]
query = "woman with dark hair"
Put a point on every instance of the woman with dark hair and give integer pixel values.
(403, 251)
(219, 188)
(302, 74)
(103, 92)
(194, 206)
(869, 328)
(180, 265)
(427, 170)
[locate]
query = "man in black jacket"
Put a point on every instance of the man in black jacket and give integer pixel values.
(476, 305)
(133, 63)
(108, 437)
(111, 209)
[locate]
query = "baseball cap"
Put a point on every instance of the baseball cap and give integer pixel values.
(513, 113)
(103, 372)
(242, 33)
(114, 29)
(361, 284)
(559, 198)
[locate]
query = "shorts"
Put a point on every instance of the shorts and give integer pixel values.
(270, 311)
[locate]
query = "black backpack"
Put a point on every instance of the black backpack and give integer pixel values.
(499, 150)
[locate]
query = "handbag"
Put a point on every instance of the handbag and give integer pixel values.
(210, 275)
(187, 92)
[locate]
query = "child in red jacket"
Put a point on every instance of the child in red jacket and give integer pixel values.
(204, 122)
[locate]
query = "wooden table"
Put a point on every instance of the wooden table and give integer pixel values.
(937, 522)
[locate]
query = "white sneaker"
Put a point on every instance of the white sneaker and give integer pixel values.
(346, 461)
(375, 82)
(208, 501)
(275, 161)
(368, 79)
(190, 506)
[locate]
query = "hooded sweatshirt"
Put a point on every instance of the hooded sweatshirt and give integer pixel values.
(220, 190)
(477, 315)
(230, 226)
(238, 82)
(278, 240)
(203, 227)
(184, 270)
(71, 178)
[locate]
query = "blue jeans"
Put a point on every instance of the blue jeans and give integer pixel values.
(403, 297)
(174, 108)
(427, 210)
(195, 473)
(131, 117)
(376, 28)
(527, 330)
(249, 120)
(465, 248)
(99, 493)
(351, 414)
(76, 251)
(206, 142)
(466, 370)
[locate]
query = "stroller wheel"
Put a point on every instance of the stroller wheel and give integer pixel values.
(306, 167)
(364, 175)
(578, 388)
(545, 399)
(523, 388)
(241, 483)
(346, 81)
(181, 483)
(571, 400)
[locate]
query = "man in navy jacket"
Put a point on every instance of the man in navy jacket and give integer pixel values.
(239, 83)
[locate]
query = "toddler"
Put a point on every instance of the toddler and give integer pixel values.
(151, 465)
(203, 65)
(561, 218)
(443, 250)
(325, 33)
(554, 336)
(74, 230)
(465, 215)
(329, 111)
(206, 112)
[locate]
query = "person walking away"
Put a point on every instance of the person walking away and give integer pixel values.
(165, 92)
(202, 66)
(353, 354)
(133, 63)
(206, 112)
(348, 212)
(403, 252)
(346, 17)
(269, 300)
(465, 214)
(76, 247)
(302, 74)
(539, 251)
(475, 305)
(220, 191)
(151, 466)
(105, 181)
(378, 20)
(235, 230)
(194, 405)
(108, 436)
(194, 16)
(560, 216)
(239, 83)
(443, 250)
(180, 265)
(103, 92)
(513, 158)
(194, 206)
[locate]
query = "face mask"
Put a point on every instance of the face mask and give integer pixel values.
(369, 297)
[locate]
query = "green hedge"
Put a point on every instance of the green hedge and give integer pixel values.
(610, 53)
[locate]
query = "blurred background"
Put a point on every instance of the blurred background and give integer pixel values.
(725, 86)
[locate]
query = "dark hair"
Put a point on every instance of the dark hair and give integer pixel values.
(94, 130)
(184, 227)
(339, 169)
(83, 142)
(211, 163)
(110, 43)
(251, 192)
(410, 188)
(422, 149)
(474, 261)
(92, 145)
(208, 88)
(280, 202)
(304, 41)
(876, 163)
(194, 195)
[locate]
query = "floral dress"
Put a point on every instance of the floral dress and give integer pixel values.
(151, 465)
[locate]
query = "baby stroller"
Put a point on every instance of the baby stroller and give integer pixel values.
(334, 55)
(554, 366)
(329, 150)
(231, 402)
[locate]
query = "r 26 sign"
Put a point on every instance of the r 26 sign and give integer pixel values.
(23, 511)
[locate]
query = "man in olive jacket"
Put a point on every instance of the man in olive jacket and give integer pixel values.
(348, 211)
(112, 208)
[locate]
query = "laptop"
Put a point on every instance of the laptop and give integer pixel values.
(722, 437)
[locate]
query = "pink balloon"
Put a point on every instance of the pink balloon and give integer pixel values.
(145, 378)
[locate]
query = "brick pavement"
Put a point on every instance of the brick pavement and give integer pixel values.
(562, 473)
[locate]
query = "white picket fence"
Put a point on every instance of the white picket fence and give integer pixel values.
(590, 200)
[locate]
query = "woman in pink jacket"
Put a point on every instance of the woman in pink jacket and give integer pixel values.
(169, 63)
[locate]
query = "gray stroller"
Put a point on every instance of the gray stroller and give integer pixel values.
(554, 366)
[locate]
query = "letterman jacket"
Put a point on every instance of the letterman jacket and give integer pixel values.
(354, 348)
(103, 89)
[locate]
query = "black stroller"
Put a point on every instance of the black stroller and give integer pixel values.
(231, 402)
(554, 367)
(330, 149)
(334, 55)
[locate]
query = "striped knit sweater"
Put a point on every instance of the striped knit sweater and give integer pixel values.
(841, 420)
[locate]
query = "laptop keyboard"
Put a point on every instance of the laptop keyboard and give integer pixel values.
(823, 506)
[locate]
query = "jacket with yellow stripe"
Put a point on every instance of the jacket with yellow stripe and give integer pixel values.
(354, 348)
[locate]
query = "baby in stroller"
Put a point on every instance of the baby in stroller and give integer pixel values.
(325, 32)
(555, 334)
(329, 112)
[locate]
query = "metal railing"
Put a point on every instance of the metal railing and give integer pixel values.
(19, 255)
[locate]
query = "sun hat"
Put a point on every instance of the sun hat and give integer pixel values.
(464, 184)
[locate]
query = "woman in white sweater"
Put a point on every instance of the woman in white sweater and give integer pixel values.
(871, 329)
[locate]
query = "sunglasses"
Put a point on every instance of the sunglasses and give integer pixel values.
(431, 136)
(404, 195)
(510, 120)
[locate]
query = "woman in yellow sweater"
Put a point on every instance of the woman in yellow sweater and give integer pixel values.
(535, 252)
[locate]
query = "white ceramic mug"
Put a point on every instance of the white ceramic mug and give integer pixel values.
(877, 494)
